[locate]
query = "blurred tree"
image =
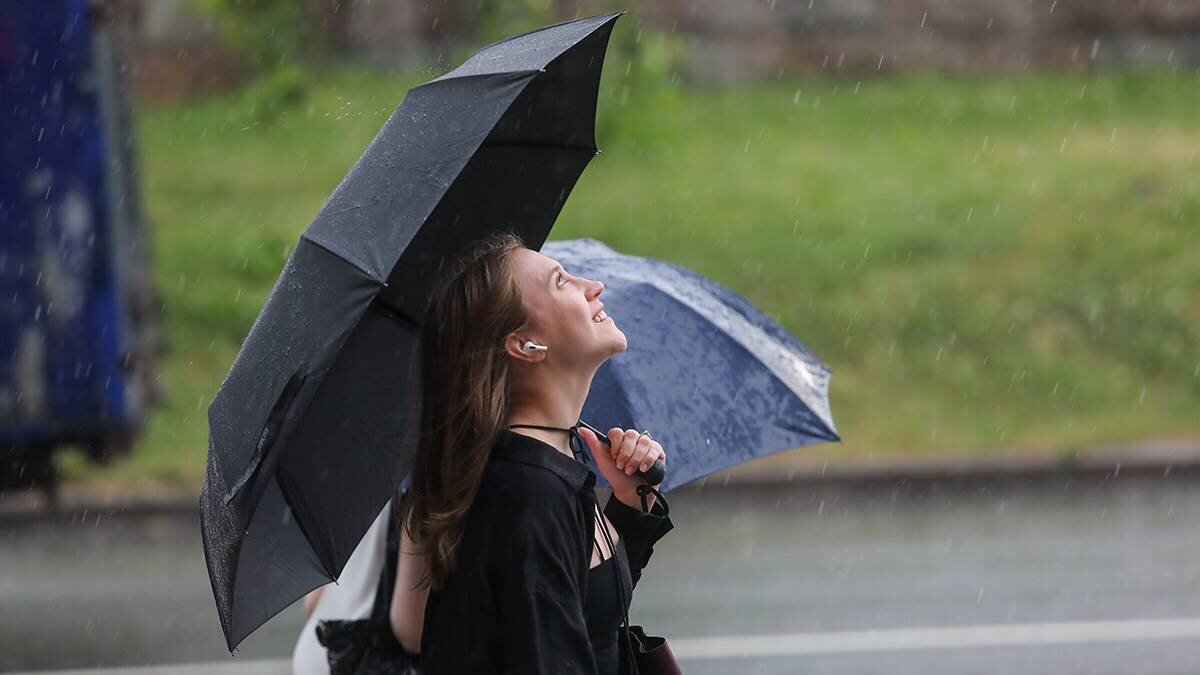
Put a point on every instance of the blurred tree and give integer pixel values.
(642, 70)
(267, 34)
(279, 42)
(495, 20)
(642, 62)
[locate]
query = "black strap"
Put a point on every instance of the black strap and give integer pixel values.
(645, 489)
(381, 610)
(620, 587)
(576, 441)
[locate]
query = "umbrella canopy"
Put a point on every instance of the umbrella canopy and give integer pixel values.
(717, 381)
(308, 433)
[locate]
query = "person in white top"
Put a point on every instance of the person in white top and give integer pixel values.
(352, 597)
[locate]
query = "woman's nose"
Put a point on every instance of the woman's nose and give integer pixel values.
(597, 288)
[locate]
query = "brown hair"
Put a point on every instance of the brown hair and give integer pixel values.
(464, 394)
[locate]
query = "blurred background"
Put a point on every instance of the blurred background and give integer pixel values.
(984, 216)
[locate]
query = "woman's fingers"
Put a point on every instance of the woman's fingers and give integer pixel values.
(625, 451)
(654, 453)
(616, 437)
(642, 447)
(616, 446)
(633, 451)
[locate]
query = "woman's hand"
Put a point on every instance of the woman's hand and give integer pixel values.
(629, 452)
(311, 600)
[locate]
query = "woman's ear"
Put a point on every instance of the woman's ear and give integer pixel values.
(514, 345)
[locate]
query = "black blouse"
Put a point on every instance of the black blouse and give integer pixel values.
(516, 601)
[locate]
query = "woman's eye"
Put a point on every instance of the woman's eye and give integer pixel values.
(561, 281)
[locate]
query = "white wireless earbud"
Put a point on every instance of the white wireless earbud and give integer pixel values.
(530, 346)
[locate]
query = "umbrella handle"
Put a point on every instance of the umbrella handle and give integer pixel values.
(653, 476)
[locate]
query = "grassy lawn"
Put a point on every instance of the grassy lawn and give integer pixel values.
(984, 263)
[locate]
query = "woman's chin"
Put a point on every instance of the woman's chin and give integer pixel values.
(614, 344)
(620, 344)
(608, 341)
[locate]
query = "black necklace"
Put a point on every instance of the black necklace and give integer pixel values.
(575, 442)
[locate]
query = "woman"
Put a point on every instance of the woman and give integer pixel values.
(503, 530)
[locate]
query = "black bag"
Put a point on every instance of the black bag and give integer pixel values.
(368, 646)
(651, 653)
(364, 647)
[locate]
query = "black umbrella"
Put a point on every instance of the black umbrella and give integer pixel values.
(308, 433)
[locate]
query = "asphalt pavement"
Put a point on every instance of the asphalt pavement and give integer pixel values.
(1059, 575)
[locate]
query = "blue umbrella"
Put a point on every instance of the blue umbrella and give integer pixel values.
(714, 379)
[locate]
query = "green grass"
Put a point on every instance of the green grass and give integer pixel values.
(983, 262)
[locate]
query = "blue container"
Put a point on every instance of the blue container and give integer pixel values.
(63, 325)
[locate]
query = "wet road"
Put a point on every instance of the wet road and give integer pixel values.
(1091, 576)
(1049, 563)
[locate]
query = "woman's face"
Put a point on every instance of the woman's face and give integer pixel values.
(562, 308)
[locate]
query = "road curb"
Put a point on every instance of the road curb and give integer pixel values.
(1155, 459)
(231, 667)
(83, 505)
(1179, 458)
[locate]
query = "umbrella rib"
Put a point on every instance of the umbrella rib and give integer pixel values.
(451, 76)
(321, 554)
(539, 144)
(546, 28)
(392, 313)
(349, 261)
